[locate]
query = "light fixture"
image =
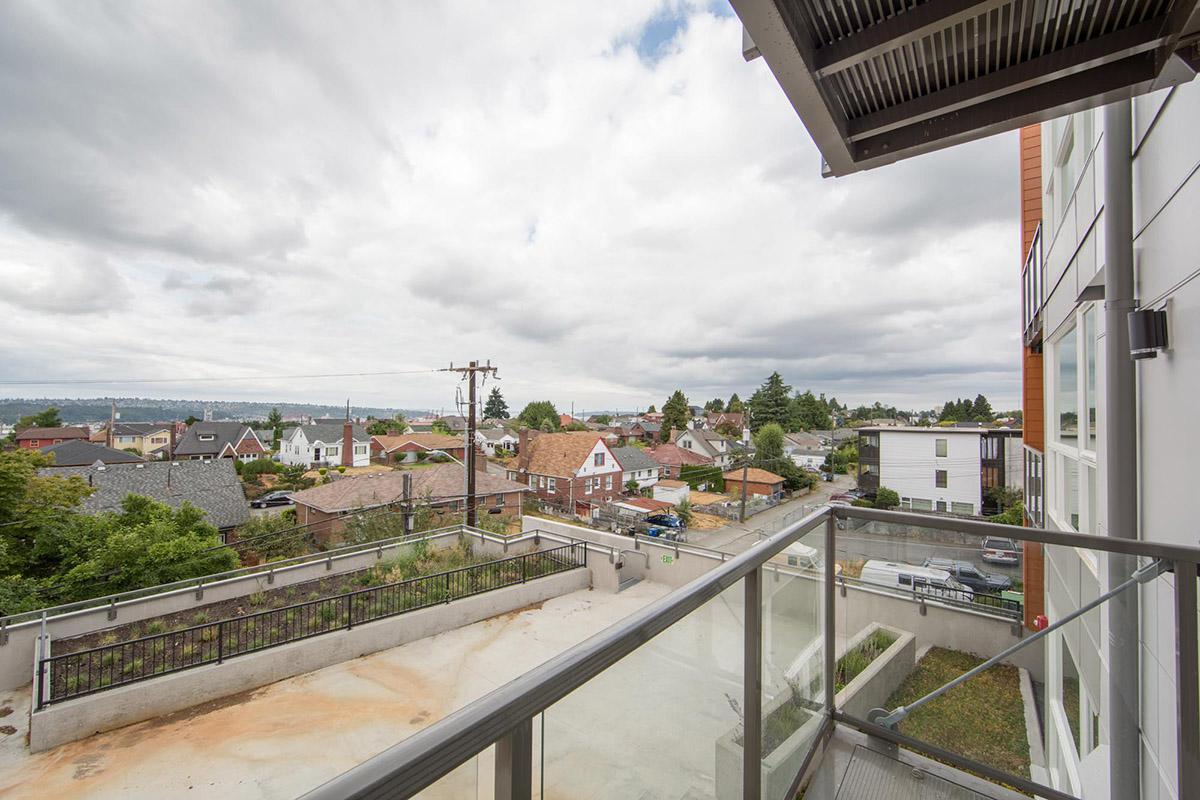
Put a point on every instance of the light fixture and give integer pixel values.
(1147, 333)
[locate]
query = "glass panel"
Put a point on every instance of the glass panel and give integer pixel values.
(793, 654)
(474, 778)
(1070, 488)
(1069, 694)
(663, 722)
(1089, 347)
(1066, 411)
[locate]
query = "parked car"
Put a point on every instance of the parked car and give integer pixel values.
(801, 555)
(921, 580)
(272, 499)
(998, 550)
(665, 520)
(970, 575)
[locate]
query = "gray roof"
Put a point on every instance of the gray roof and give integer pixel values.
(79, 453)
(223, 432)
(495, 434)
(211, 486)
(330, 433)
(633, 459)
(140, 428)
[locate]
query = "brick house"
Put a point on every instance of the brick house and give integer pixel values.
(405, 446)
(758, 482)
(573, 471)
(328, 507)
(671, 457)
(35, 438)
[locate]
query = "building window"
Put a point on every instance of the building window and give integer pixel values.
(587, 486)
(551, 484)
(1089, 375)
(598, 459)
(1066, 403)
(940, 447)
(607, 482)
(533, 481)
(940, 478)
(542, 481)
(1070, 490)
(962, 508)
(360, 449)
(941, 505)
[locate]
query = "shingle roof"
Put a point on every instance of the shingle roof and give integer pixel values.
(80, 453)
(558, 454)
(224, 433)
(211, 486)
(53, 433)
(753, 475)
(430, 441)
(331, 432)
(633, 459)
(495, 434)
(441, 482)
(673, 456)
(140, 428)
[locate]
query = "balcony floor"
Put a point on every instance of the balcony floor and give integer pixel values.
(857, 767)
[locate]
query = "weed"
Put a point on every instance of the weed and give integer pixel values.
(200, 618)
(258, 598)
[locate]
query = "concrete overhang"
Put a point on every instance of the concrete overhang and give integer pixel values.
(878, 81)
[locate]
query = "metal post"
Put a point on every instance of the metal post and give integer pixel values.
(469, 452)
(752, 686)
(1188, 692)
(830, 618)
(220, 642)
(514, 763)
(1120, 459)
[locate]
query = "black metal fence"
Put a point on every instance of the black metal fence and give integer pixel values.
(979, 601)
(106, 667)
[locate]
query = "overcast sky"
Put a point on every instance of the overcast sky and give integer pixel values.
(602, 198)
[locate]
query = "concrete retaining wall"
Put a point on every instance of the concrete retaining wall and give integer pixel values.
(16, 656)
(75, 719)
(874, 685)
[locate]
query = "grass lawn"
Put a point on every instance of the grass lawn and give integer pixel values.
(983, 719)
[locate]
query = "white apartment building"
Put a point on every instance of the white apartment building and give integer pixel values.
(1066, 312)
(940, 469)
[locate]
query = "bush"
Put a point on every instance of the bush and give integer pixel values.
(322, 471)
(341, 469)
(262, 466)
(861, 503)
(886, 498)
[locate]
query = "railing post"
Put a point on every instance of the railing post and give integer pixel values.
(830, 617)
(514, 763)
(752, 688)
(349, 612)
(1187, 691)
(220, 641)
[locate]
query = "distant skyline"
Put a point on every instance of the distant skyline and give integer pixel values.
(610, 205)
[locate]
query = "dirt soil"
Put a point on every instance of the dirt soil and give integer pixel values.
(706, 522)
(707, 498)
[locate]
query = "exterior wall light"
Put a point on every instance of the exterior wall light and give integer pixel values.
(1147, 333)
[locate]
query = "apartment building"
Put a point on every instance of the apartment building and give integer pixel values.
(1107, 430)
(940, 469)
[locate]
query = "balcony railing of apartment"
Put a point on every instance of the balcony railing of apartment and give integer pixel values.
(1034, 487)
(1033, 289)
(735, 685)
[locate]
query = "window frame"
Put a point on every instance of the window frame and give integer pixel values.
(941, 479)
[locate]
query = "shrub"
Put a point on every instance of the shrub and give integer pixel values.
(258, 598)
(886, 498)
(341, 469)
(322, 471)
(155, 627)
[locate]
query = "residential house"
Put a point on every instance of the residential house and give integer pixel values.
(326, 444)
(940, 469)
(638, 508)
(206, 440)
(670, 491)
(327, 507)
(575, 471)
(37, 438)
(493, 439)
(671, 458)
(638, 466)
(456, 423)
(725, 419)
(151, 439)
(566, 419)
(646, 430)
(759, 482)
(708, 443)
(842, 435)
(805, 450)
(80, 453)
(405, 447)
(211, 485)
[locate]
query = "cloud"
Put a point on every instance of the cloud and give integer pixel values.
(608, 203)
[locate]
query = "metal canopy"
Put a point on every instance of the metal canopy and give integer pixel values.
(877, 81)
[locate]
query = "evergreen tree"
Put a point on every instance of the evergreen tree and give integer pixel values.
(809, 413)
(676, 413)
(768, 445)
(735, 404)
(539, 414)
(716, 405)
(651, 410)
(981, 409)
(770, 403)
(495, 408)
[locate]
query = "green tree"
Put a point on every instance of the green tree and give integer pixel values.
(651, 410)
(684, 511)
(981, 409)
(716, 405)
(440, 426)
(631, 486)
(602, 419)
(1013, 515)
(768, 445)
(809, 413)
(771, 403)
(676, 413)
(886, 498)
(735, 404)
(381, 427)
(191, 420)
(547, 426)
(539, 413)
(275, 422)
(495, 408)
(49, 418)
(576, 425)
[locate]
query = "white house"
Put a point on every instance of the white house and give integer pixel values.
(707, 443)
(673, 492)
(805, 450)
(940, 469)
(636, 466)
(325, 444)
(493, 439)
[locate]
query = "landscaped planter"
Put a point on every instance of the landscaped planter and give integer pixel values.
(869, 689)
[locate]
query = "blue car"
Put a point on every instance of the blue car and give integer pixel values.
(666, 521)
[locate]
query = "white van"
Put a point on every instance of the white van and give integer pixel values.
(799, 554)
(920, 580)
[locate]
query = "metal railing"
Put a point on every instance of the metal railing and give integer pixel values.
(97, 669)
(982, 602)
(1033, 279)
(504, 717)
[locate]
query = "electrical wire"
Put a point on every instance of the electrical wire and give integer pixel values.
(119, 381)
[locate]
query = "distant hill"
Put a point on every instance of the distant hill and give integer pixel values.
(144, 409)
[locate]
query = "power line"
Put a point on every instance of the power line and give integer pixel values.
(116, 381)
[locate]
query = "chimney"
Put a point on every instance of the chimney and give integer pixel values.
(522, 440)
(480, 460)
(348, 441)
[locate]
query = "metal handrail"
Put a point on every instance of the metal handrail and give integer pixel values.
(415, 763)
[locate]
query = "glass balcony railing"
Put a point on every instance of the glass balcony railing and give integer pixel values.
(1033, 289)
(890, 660)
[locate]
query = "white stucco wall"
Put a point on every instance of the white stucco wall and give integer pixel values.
(908, 463)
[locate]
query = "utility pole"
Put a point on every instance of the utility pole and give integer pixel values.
(112, 420)
(471, 373)
(406, 495)
(745, 472)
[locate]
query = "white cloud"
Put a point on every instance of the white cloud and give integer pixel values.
(307, 187)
